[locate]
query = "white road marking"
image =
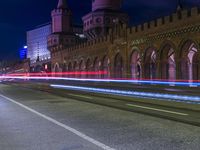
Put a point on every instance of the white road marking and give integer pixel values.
(76, 132)
(81, 96)
(161, 110)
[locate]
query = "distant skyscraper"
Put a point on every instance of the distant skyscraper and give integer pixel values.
(37, 43)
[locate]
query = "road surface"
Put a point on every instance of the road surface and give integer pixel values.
(35, 120)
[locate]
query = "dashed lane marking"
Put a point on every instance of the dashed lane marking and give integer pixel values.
(156, 109)
(81, 96)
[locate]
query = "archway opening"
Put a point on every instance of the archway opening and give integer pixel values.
(70, 69)
(136, 65)
(106, 67)
(150, 64)
(39, 69)
(75, 68)
(195, 67)
(189, 61)
(88, 67)
(96, 67)
(118, 66)
(64, 70)
(57, 68)
(168, 64)
(82, 69)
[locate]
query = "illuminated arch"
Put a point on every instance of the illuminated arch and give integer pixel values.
(39, 69)
(56, 68)
(64, 67)
(82, 68)
(75, 66)
(96, 66)
(70, 68)
(150, 63)
(88, 67)
(189, 60)
(135, 65)
(167, 62)
(106, 67)
(118, 66)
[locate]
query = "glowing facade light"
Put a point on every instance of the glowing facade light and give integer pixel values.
(23, 53)
(46, 67)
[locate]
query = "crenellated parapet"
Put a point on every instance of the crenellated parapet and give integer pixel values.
(163, 28)
(181, 19)
(84, 45)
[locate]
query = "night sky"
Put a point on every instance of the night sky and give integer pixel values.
(18, 16)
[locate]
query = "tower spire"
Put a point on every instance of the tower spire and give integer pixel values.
(179, 6)
(62, 4)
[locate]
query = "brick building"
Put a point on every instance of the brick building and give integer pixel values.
(165, 48)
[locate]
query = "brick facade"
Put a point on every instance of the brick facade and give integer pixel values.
(165, 48)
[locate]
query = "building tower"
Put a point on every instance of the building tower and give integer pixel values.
(105, 14)
(62, 29)
(179, 6)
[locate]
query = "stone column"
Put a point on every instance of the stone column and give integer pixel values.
(143, 70)
(198, 78)
(178, 69)
(158, 69)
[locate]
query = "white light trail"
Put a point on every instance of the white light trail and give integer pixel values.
(160, 96)
(191, 84)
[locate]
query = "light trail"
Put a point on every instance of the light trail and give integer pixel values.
(174, 83)
(60, 73)
(160, 96)
(56, 74)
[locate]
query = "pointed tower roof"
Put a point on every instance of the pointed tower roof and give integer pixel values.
(62, 4)
(180, 6)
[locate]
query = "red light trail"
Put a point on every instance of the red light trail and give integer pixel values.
(59, 73)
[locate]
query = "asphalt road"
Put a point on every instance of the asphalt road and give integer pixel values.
(35, 120)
